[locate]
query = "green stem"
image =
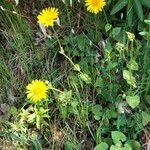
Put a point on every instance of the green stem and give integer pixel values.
(62, 50)
(56, 90)
(57, 38)
(131, 55)
(105, 15)
(67, 58)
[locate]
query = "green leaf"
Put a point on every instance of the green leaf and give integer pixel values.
(77, 67)
(146, 3)
(74, 103)
(69, 145)
(96, 110)
(108, 27)
(129, 78)
(73, 107)
(111, 113)
(135, 145)
(99, 82)
(138, 8)
(148, 99)
(130, 12)
(133, 101)
(115, 31)
(101, 146)
(32, 118)
(132, 65)
(120, 147)
(119, 5)
(85, 78)
(145, 118)
(115, 147)
(143, 33)
(108, 46)
(127, 147)
(11, 135)
(35, 143)
(65, 97)
(118, 136)
(147, 21)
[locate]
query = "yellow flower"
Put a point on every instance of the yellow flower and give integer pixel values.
(94, 6)
(36, 90)
(48, 16)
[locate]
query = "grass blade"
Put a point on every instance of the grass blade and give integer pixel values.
(119, 5)
(138, 8)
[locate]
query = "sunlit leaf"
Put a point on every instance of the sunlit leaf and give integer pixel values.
(118, 136)
(133, 101)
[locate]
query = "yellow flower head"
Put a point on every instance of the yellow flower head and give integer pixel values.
(48, 16)
(94, 6)
(36, 90)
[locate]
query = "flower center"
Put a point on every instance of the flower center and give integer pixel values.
(37, 91)
(95, 2)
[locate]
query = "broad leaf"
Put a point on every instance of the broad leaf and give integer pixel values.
(118, 136)
(101, 146)
(135, 145)
(120, 147)
(99, 82)
(96, 110)
(133, 101)
(145, 118)
(115, 31)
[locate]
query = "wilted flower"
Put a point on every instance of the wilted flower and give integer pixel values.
(131, 36)
(119, 46)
